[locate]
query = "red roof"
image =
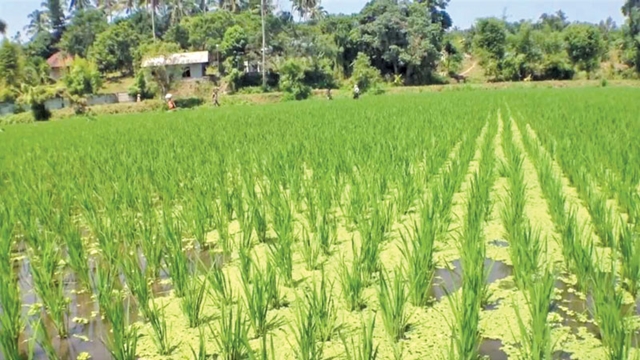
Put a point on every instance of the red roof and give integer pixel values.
(58, 60)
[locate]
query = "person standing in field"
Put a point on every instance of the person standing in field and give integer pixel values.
(356, 92)
(214, 96)
(170, 104)
(329, 97)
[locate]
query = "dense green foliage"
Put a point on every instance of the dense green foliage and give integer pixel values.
(407, 42)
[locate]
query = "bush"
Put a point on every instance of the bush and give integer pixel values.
(21, 118)
(83, 78)
(366, 76)
(141, 87)
(34, 97)
(320, 76)
(557, 68)
(292, 81)
(186, 103)
(233, 80)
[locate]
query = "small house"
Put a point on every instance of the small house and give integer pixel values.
(191, 65)
(59, 64)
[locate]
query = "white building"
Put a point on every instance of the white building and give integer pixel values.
(192, 64)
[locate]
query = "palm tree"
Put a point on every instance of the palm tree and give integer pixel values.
(308, 9)
(38, 22)
(179, 8)
(233, 5)
(79, 4)
(107, 6)
(152, 5)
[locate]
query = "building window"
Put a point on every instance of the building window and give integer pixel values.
(186, 72)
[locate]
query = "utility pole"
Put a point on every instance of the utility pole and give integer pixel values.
(264, 47)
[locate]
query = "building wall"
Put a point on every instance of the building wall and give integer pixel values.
(197, 71)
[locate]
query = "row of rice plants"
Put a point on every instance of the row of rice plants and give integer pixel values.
(128, 219)
(11, 323)
(467, 306)
(600, 130)
(608, 310)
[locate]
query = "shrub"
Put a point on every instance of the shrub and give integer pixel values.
(83, 78)
(557, 68)
(21, 118)
(189, 102)
(141, 87)
(292, 81)
(35, 97)
(366, 76)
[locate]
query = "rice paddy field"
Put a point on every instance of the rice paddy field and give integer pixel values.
(455, 225)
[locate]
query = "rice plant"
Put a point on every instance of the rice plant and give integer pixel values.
(257, 298)
(306, 333)
(325, 234)
(321, 304)
(123, 341)
(201, 352)
(160, 334)
(11, 323)
(373, 232)
(630, 258)
(176, 260)
(42, 337)
(613, 323)
(246, 265)
(311, 250)
(536, 334)
(219, 285)
(137, 283)
(232, 333)
(417, 249)
(77, 257)
(393, 299)
(275, 298)
(352, 282)
(192, 303)
(49, 286)
(363, 348)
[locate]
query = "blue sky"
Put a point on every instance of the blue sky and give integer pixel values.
(463, 12)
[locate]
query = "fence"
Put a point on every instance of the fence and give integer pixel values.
(61, 103)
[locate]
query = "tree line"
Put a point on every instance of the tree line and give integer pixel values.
(405, 42)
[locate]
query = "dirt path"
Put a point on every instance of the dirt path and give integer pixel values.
(469, 69)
